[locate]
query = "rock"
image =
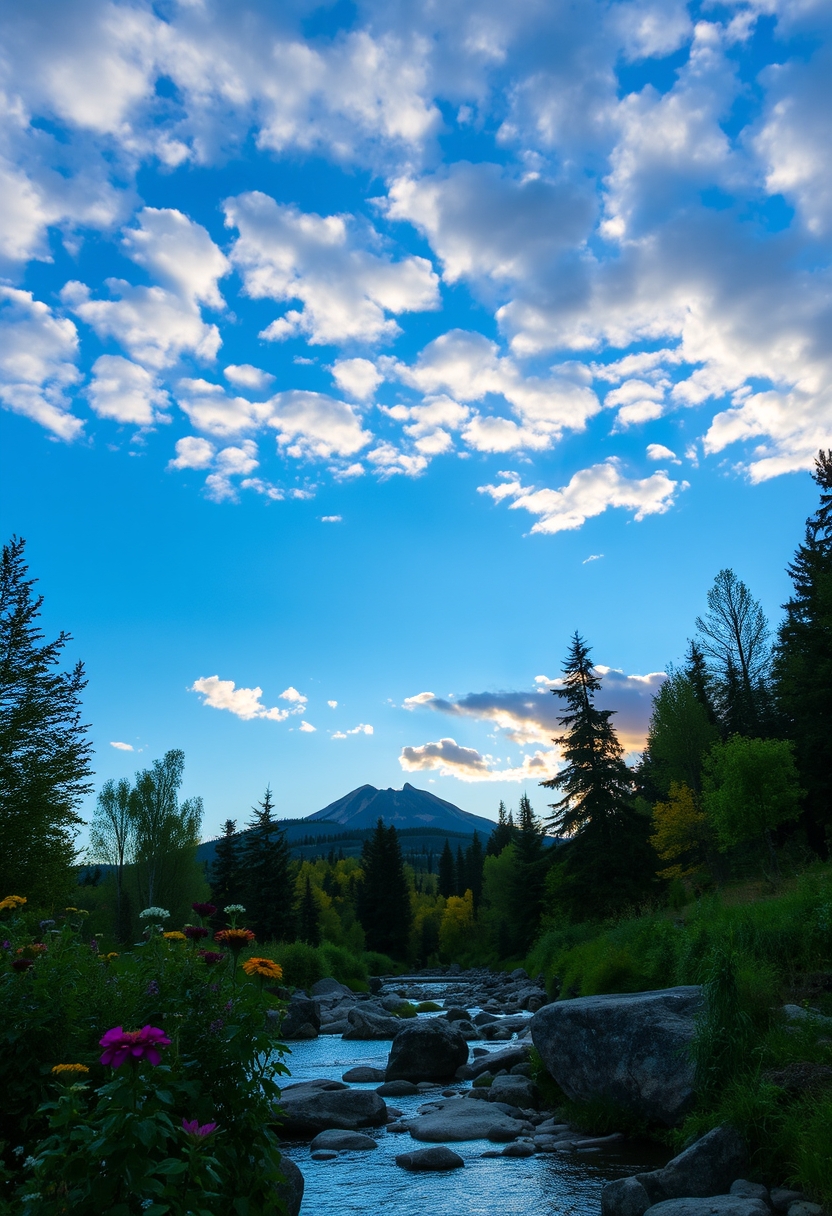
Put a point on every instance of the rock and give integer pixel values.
(518, 974)
(630, 1048)
(457, 1120)
(304, 1114)
(521, 1070)
(706, 1167)
(397, 1089)
(335, 1027)
(717, 1205)
(800, 1078)
(456, 1015)
(504, 1028)
(366, 1025)
(803, 1208)
(426, 1050)
(749, 1190)
(330, 987)
(517, 1091)
(518, 1149)
(485, 1019)
(796, 1013)
(363, 1073)
(434, 1159)
(302, 1019)
(323, 1155)
(298, 1087)
(624, 1197)
(290, 1191)
(493, 1061)
(782, 1198)
(343, 1142)
(535, 1002)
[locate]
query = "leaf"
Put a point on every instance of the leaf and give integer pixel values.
(171, 1165)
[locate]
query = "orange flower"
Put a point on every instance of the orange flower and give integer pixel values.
(235, 939)
(79, 1070)
(266, 968)
(175, 936)
(12, 903)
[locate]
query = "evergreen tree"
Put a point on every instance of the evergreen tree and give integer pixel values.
(696, 670)
(267, 886)
(44, 751)
(473, 867)
(310, 917)
(680, 734)
(383, 902)
(461, 873)
(609, 861)
(503, 834)
(528, 885)
(226, 880)
(447, 872)
(803, 662)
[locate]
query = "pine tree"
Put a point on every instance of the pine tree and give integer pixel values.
(383, 902)
(267, 885)
(225, 872)
(447, 872)
(461, 873)
(473, 867)
(503, 834)
(309, 918)
(529, 881)
(44, 751)
(608, 861)
(803, 662)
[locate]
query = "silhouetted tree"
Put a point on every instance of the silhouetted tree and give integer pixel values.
(447, 872)
(226, 878)
(383, 900)
(267, 886)
(111, 833)
(528, 884)
(461, 873)
(734, 637)
(309, 930)
(473, 868)
(503, 833)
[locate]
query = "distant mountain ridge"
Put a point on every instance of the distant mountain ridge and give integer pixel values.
(408, 807)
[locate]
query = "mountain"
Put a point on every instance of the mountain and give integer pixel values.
(405, 808)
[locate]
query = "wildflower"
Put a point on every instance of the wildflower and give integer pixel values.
(152, 989)
(93, 945)
(12, 902)
(70, 909)
(211, 957)
(204, 909)
(120, 1045)
(216, 1026)
(266, 968)
(154, 914)
(22, 964)
(235, 939)
(77, 1070)
(232, 908)
(108, 958)
(175, 936)
(7, 944)
(195, 932)
(191, 1127)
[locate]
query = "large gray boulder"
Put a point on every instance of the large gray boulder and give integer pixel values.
(457, 1120)
(290, 1191)
(306, 1110)
(302, 1019)
(631, 1048)
(429, 1049)
(717, 1205)
(707, 1167)
(367, 1024)
(430, 1159)
(494, 1062)
(330, 989)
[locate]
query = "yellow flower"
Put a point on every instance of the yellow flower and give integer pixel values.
(108, 958)
(70, 909)
(175, 936)
(12, 903)
(265, 967)
(79, 1070)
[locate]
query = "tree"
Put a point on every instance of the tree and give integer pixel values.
(528, 883)
(680, 833)
(803, 662)
(44, 752)
(267, 884)
(447, 872)
(473, 869)
(226, 878)
(503, 833)
(461, 873)
(384, 897)
(457, 927)
(608, 861)
(309, 919)
(751, 787)
(165, 833)
(111, 838)
(680, 734)
(734, 635)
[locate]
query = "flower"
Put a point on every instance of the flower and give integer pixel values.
(195, 932)
(154, 914)
(204, 909)
(79, 1070)
(266, 968)
(211, 957)
(216, 1026)
(70, 909)
(12, 902)
(235, 939)
(191, 1127)
(120, 1045)
(175, 936)
(232, 908)
(152, 989)
(108, 958)
(46, 924)
(22, 964)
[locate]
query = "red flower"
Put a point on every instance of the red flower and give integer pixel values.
(204, 909)
(235, 939)
(22, 964)
(120, 1045)
(195, 932)
(211, 957)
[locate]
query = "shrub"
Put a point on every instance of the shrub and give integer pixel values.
(344, 966)
(302, 964)
(378, 964)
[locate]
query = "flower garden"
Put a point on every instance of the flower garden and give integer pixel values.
(140, 1081)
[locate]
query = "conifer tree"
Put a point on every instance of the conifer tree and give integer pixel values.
(503, 833)
(461, 872)
(267, 886)
(383, 902)
(529, 878)
(309, 918)
(226, 878)
(473, 866)
(447, 872)
(44, 751)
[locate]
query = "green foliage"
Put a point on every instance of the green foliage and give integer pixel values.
(405, 1010)
(428, 1007)
(751, 787)
(724, 1030)
(378, 964)
(226, 876)
(267, 885)
(302, 964)
(680, 734)
(383, 901)
(344, 966)
(309, 917)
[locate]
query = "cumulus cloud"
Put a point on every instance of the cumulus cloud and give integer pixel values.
(122, 747)
(192, 452)
(210, 408)
(38, 351)
(358, 378)
(307, 727)
(233, 461)
(244, 375)
(657, 451)
(451, 759)
(316, 426)
(363, 728)
(346, 291)
(590, 492)
(292, 694)
(126, 392)
(332, 704)
(244, 703)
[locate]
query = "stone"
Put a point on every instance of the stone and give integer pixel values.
(484, 1019)
(796, 1013)
(290, 1190)
(518, 1091)
(428, 1049)
(504, 1028)
(433, 1159)
(335, 1027)
(716, 1205)
(782, 1198)
(330, 987)
(455, 1120)
(518, 974)
(302, 1019)
(323, 1155)
(749, 1190)
(518, 1149)
(624, 1197)
(803, 1208)
(493, 1061)
(366, 1025)
(363, 1073)
(706, 1167)
(397, 1089)
(303, 1114)
(521, 1070)
(629, 1048)
(456, 1015)
(343, 1142)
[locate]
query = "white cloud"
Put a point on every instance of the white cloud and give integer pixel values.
(332, 704)
(125, 392)
(179, 254)
(345, 290)
(292, 694)
(210, 408)
(451, 759)
(358, 378)
(230, 462)
(307, 727)
(244, 703)
(421, 698)
(243, 375)
(593, 557)
(313, 425)
(37, 362)
(657, 451)
(332, 519)
(363, 728)
(192, 453)
(123, 747)
(590, 492)
(389, 460)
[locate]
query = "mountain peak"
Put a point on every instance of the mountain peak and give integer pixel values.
(408, 807)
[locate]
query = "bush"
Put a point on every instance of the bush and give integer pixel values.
(303, 965)
(344, 966)
(378, 964)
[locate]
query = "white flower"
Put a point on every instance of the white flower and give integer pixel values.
(234, 908)
(159, 913)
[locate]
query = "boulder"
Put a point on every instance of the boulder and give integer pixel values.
(706, 1167)
(363, 1073)
(630, 1048)
(302, 1019)
(330, 988)
(433, 1159)
(457, 1120)
(306, 1111)
(801, 1077)
(504, 1028)
(517, 1091)
(343, 1142)
(782, 1198)
(365, 1024)
(397, 1089)
(750, 1190)
(324, 1154)
(485, 1019)
(624, 1197)
(335, 1027)
(455, 1014)
(520, 1148)
(290, 1191)
(429, 1049)
(716, 1205)
(494, 1061)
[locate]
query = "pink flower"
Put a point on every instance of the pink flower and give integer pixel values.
(204, 909)
(191, 1127)
(120, 1045)
(211, 957)
(195, 932)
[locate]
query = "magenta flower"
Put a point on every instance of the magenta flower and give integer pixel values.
(191, 1127)
(204, 909)
(211, 957)
(120, 1045)
(195, 932)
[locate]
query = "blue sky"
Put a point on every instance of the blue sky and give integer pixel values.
(353, 356)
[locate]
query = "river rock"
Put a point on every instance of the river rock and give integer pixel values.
(716, 1205)
(290, 1190)
(343, 1142)
(457, 1120)
(624, 1197)
(706, 1167)
(494, 1061)
(302, 1019)
(518, 1149)
(517, 1091)
(304, 1114)
(434, 1159)
(782, 1198)
(456, 1015)
(365, 1025)
(750, 1190)
(504, 1028)
(335, 1027)
(427, 1050)
(630, 1048)
(329, 988)
(397, 1089)
(362, 1073)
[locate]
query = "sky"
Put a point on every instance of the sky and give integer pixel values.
(353, 356)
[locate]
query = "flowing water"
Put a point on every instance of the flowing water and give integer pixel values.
(371, 1182)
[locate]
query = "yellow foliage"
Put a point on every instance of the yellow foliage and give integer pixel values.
(680, 832)
(457, 926)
